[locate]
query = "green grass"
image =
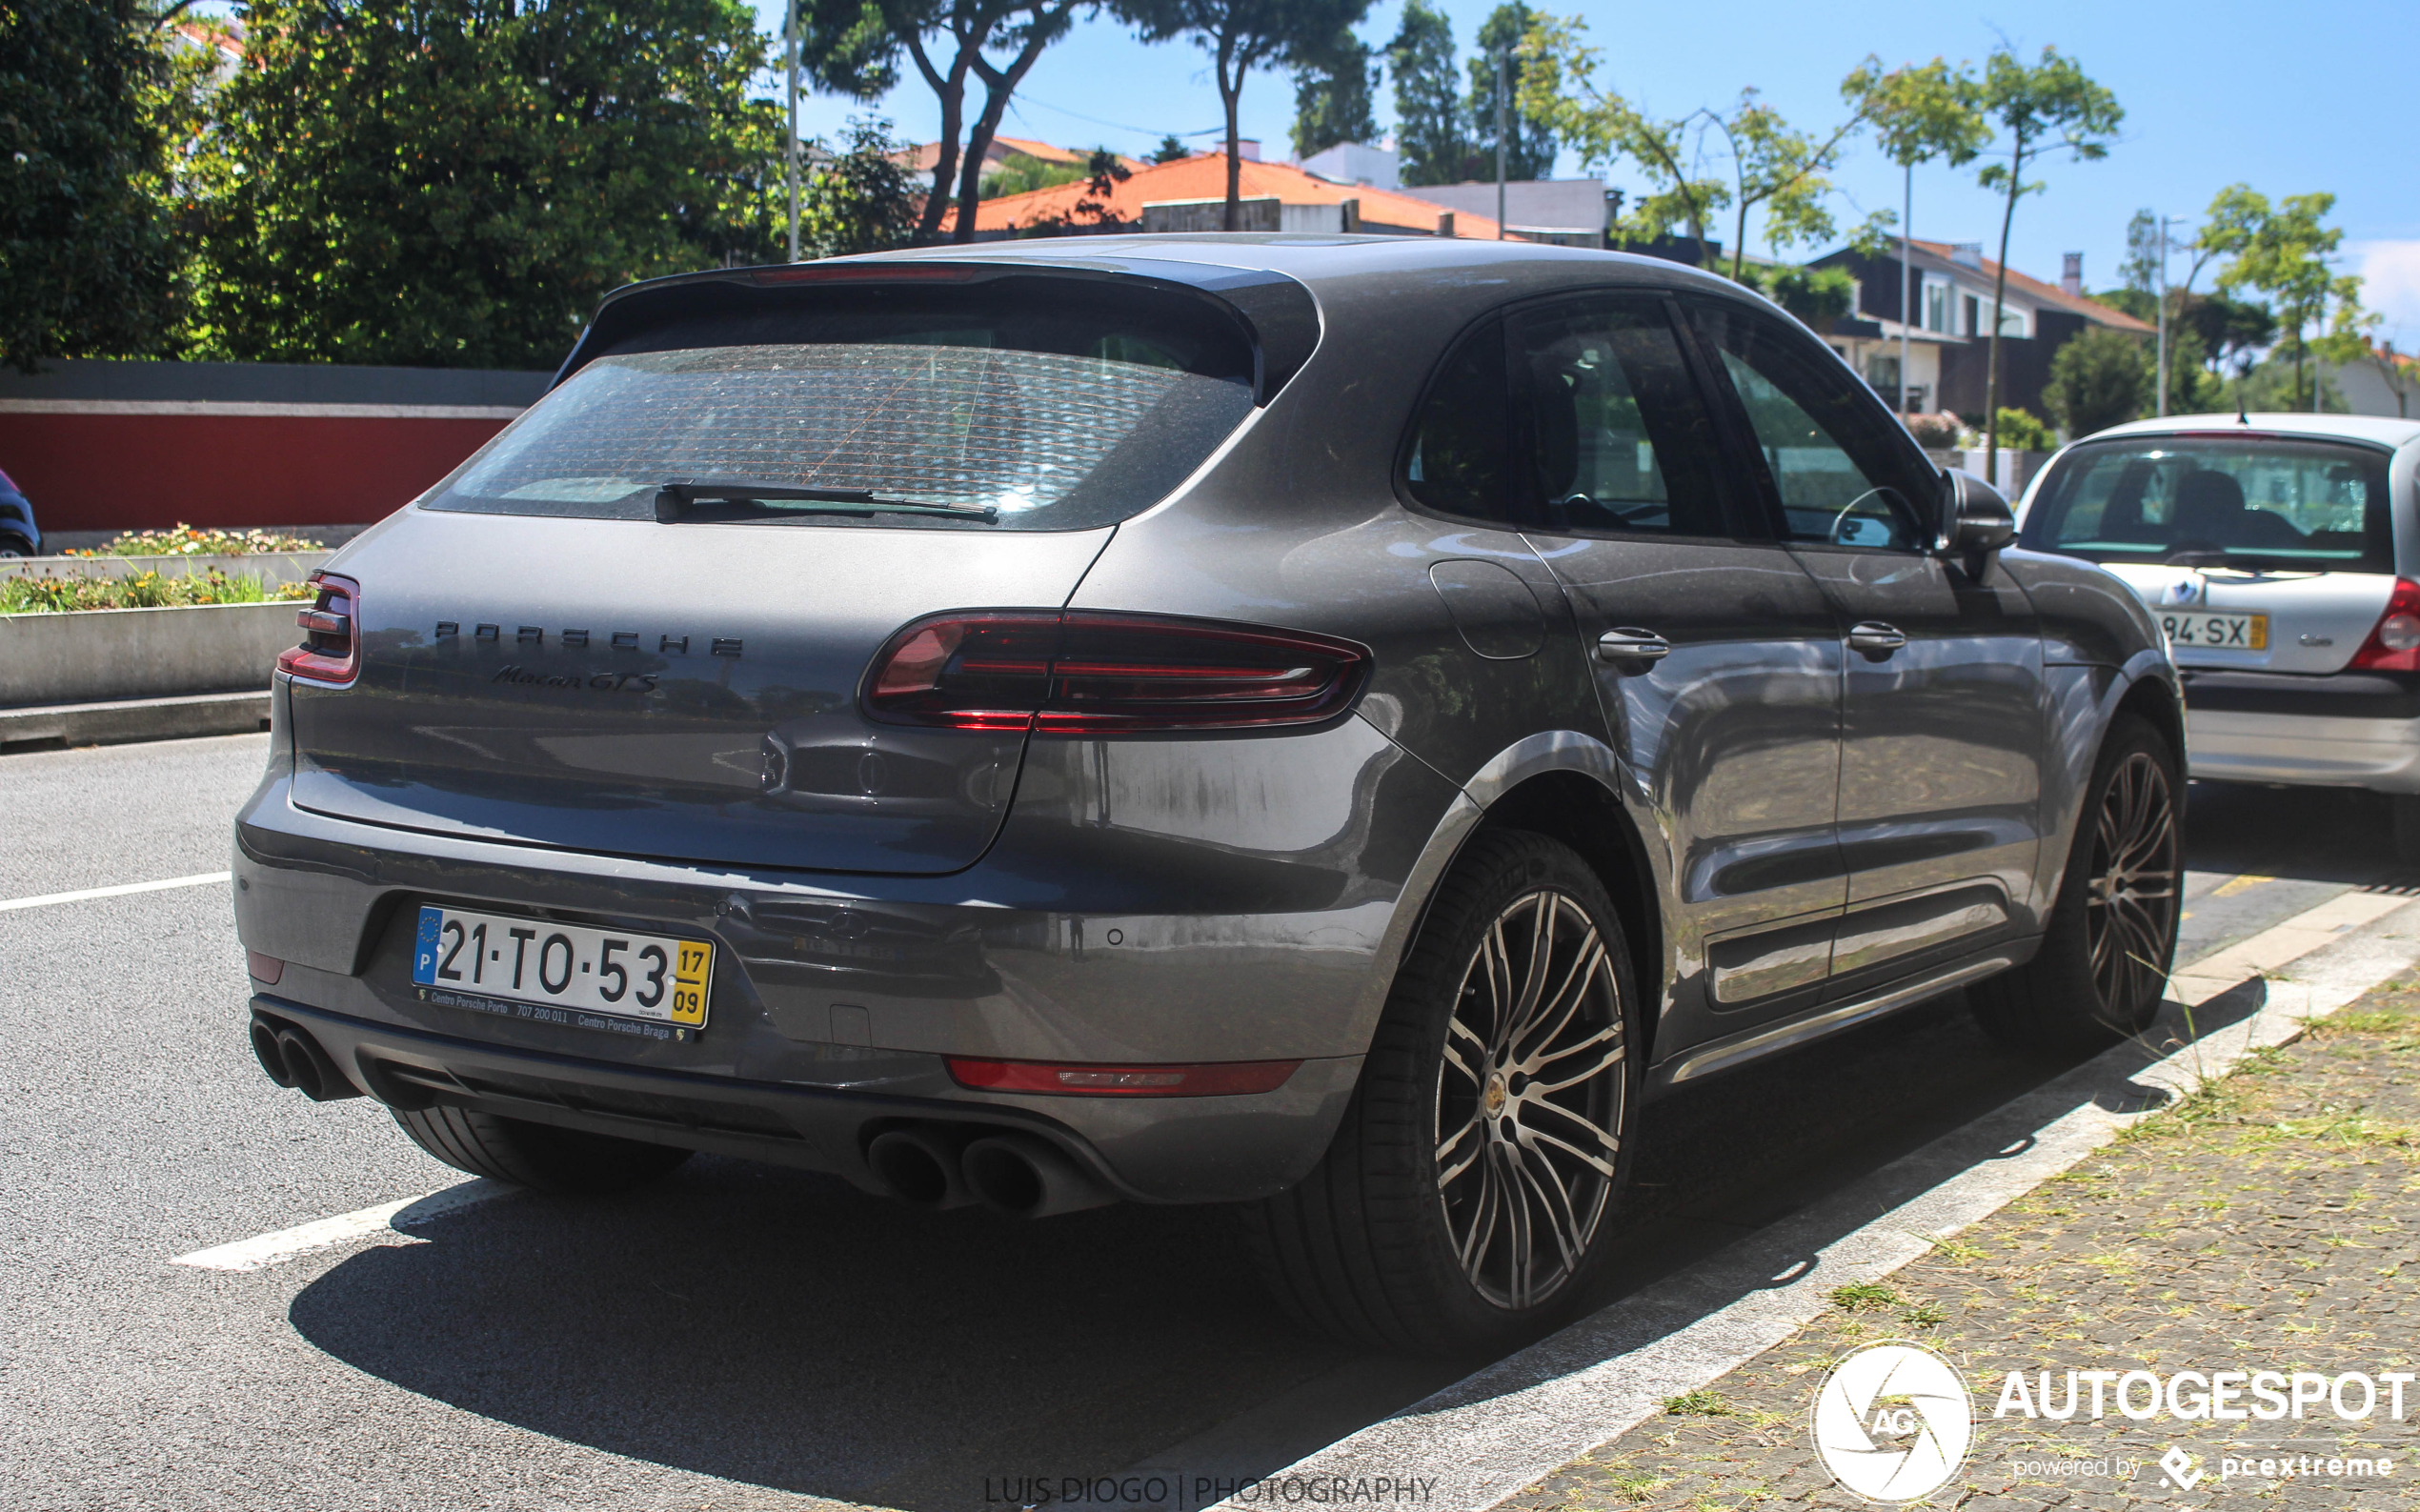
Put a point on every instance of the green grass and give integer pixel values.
(1699, 1403)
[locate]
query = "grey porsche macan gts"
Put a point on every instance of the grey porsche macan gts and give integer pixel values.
(1328, 725)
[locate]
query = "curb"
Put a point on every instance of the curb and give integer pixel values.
(1494, 1433)
(72, 724)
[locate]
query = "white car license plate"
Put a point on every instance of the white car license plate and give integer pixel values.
(529, 968)
(2216, 632)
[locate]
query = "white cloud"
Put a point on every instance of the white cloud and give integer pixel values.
(2391, 285)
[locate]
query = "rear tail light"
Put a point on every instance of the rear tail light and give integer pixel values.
(1215, 1078)
(1084, 673)
(331, 652)
(2394, 641)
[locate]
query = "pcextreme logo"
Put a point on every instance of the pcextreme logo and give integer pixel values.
(1892, 1421)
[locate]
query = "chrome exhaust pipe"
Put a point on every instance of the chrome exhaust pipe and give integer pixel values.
(1025, 1177)
(919, 1166)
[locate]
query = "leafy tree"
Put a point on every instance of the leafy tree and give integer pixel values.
(1171, 149)
(2281, 252)
(1919, 113)
(93, 99)
(2024, 428)
(1781, 168)
(860, 200)
(2229, 332)
(1241, 35)
(951, 42)
(1333, 87)
(1529, 143)
(1103, 173)
(1429, 135)
(1601, 127)
(2140, 272)
(1022, 173)
(2046, 107)
(2099, 378)
(1816, 295)
(456, 182)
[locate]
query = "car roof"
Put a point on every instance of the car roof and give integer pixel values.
(2375, 429)
(1328, 260)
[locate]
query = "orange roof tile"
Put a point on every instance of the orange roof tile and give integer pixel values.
(1206, 177)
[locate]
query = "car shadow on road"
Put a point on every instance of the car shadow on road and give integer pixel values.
(2320, 835)
(780, 1329)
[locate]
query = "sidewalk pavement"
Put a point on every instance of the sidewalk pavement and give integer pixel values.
(2270, 1221)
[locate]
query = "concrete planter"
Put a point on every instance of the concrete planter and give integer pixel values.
(104, 654)
(272, 568)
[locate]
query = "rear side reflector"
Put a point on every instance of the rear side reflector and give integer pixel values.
(331, 652)
(1215, 1078)
(264, 968)
(2394, 641)
(1081, 672)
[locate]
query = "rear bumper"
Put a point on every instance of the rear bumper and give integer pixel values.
(2358, 730)
(1168, 1149)
(1146, 934)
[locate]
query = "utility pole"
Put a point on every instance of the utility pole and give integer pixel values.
(2161, 367)
(1503, 76)
(790, 47)
(1907, 313)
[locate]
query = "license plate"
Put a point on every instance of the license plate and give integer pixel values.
(529, 968)
(2217, 632)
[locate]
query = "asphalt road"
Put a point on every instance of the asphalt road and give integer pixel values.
(739, 1336)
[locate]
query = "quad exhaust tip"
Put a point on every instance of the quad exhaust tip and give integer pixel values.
(1015, 1174)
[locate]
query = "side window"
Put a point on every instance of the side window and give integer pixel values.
(1460, 460)
(1614, 433)
(1838, 473)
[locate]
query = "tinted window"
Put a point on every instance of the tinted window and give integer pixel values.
(2256, 500)
(1616, 436)
(1062, 407)
(1459, 460)
(1838, 473)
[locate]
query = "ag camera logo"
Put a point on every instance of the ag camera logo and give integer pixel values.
(1892, 1421)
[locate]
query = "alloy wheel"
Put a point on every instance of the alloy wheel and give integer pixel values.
(1530, 1100)
(2130, 912)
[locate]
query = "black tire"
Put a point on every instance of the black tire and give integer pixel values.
(1370, 1245)
(2104, 958)
(2406, 808)
(539, 1155)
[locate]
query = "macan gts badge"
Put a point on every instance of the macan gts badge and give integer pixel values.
(1324, 726)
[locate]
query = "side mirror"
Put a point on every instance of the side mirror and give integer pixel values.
(1975, 521)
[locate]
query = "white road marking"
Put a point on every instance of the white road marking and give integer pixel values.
(395, 1218)
(46, 900)
(1529, 1414)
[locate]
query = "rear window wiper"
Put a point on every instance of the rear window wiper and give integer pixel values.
(676, 500)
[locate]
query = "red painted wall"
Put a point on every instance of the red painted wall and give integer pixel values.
(136, 471)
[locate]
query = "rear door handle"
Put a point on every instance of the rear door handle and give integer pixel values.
(1628, 644)
(1876, 639)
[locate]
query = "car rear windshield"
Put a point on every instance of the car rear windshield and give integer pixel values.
(2246, 501)
(1059, 405)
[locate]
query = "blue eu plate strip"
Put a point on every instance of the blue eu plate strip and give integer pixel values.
(424, 955)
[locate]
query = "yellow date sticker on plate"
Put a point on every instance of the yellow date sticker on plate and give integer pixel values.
(690, 974)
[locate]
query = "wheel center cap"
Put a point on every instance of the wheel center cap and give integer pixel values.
(1494, 1097)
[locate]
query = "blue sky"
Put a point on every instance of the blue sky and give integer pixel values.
(2288, 99)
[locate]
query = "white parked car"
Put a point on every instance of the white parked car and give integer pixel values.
(2281, 554)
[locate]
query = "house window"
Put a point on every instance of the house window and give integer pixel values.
(1974, 317)
(1936, 307)
(2012, 321)
(1881, 370)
